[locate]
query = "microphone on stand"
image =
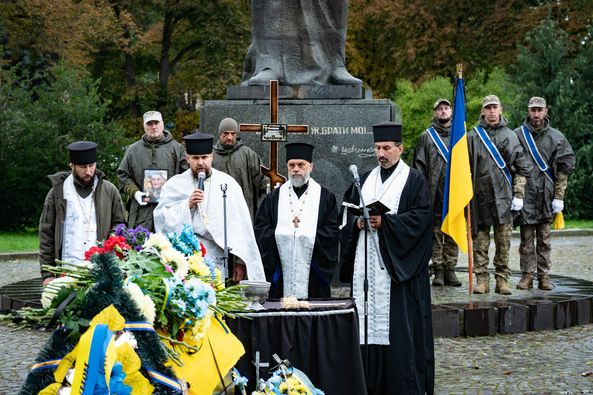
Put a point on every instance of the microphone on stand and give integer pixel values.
(201, 178)
(354, 170)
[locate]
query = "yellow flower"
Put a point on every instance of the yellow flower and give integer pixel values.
(197, 265)
(219, 281)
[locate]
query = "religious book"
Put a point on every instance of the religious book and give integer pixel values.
(375, 208)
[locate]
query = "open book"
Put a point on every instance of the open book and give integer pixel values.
(375, 208)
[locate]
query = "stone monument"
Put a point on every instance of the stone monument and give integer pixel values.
(301, 44)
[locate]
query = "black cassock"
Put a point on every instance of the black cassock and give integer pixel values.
(325, 250)
(406, 366)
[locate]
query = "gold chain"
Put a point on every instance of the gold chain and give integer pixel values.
(295, 218)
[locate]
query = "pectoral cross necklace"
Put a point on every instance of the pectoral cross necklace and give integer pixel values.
(295, 217)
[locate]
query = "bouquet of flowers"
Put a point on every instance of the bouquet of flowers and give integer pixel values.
(286, 380)
(169, 278)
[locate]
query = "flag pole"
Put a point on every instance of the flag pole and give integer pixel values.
(470, 248)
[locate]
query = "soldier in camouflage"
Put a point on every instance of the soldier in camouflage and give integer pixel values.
(430, 160)
(544, 192)
(498, 190)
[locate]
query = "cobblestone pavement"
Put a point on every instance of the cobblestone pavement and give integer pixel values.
(547, 362)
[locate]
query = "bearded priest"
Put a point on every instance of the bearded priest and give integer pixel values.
(399, 341)
(196, 197)
(297, 231)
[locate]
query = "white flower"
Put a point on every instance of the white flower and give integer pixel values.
(50, 291)
(143, 302)
(177, 261)
(159, 241)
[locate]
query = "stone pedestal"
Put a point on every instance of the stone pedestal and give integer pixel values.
(340, 130)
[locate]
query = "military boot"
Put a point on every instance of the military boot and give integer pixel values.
(439, 277)
(544, 282)
(526, 281)
(482, 286)
(451, 278)
(502, 286)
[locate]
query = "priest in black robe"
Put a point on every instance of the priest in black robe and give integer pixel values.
(297, 233)
(399, 339)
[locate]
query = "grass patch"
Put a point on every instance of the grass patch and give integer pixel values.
(19, 241)
(27, 241)
(578, 223)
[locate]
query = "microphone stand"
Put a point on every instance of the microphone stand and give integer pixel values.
(367, 228)
(225, 256)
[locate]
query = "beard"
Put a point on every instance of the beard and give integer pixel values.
(298, 181)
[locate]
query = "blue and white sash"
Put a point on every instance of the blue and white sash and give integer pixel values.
(441, 147)
(495, 154)
(539, 161)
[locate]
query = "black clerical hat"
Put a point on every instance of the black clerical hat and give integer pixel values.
(198, 143)
(83, 152)
(387, 131)
(302, 151)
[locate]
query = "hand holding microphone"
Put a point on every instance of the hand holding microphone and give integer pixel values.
(197, 195)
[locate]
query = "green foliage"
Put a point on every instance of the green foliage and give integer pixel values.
(37, 122)
(416, 102)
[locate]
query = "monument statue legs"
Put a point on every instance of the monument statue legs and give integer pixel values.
(298, 42)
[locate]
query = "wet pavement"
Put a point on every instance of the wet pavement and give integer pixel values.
(546, 362)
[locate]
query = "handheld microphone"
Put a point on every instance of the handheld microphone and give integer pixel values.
(354, 170)
(201, 178)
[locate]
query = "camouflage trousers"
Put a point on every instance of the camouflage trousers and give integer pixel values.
(502, 243)
(535, 248)
(444, 250)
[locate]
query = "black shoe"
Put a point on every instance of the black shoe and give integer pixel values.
(451, 279)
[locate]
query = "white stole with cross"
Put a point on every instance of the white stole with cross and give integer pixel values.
(389, 193)
(80, 223)
(295, 236)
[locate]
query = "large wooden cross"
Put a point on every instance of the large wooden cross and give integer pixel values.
(272, 171)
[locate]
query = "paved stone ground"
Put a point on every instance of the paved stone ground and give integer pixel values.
(547, 362)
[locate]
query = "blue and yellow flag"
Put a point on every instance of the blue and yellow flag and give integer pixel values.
(458, 182)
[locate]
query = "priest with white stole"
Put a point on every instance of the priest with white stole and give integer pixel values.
(400, 341)
(296, 227)
(196, 197)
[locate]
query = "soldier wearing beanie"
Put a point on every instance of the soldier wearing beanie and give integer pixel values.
(231, 156)
(81, 208)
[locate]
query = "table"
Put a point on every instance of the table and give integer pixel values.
(323, 342)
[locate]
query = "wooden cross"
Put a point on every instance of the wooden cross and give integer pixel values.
(272, 171)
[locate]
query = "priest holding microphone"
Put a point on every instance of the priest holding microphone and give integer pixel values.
(196, 197)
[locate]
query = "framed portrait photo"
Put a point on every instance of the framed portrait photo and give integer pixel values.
(154, 180)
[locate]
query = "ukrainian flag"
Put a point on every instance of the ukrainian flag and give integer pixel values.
(458, 183)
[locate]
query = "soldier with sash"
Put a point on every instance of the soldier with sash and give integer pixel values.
(499, 169)
(553, 160)
(430, 157)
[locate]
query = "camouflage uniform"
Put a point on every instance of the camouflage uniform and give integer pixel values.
(536, 216)
(428, 160)
(491, 205)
